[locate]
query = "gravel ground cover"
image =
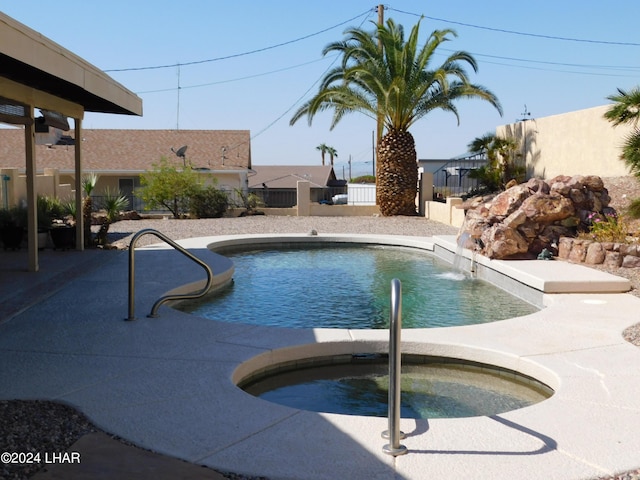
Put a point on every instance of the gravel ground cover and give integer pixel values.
(48, 426)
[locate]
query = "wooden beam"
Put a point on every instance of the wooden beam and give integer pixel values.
(32, 216)
(37, 98)
(78, 185)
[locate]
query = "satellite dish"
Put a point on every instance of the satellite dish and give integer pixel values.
(180, 152)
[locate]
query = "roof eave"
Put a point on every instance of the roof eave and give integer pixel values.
(29, 58)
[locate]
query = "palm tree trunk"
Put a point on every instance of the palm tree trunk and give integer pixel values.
(397, 174)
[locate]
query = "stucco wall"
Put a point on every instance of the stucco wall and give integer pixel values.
(574, 143)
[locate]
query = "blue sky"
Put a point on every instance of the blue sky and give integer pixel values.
(223, 86)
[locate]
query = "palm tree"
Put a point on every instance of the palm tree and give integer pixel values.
(482, 145)
(323, 150)
(393, 79)
(332, 153)
(502, 167)
(626, 110)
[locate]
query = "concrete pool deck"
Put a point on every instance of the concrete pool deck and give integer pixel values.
(166, 383)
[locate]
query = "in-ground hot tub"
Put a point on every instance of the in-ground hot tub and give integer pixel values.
(357, 384)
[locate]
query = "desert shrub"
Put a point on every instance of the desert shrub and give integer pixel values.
(607, 227)
(208, 203)
(364, 179)
(634, 208)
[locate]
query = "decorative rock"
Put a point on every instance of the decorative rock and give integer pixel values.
(579, 251)
(629, 250)
(516, 219)
(593, 182)
(537, 185)
(527, 219)
(613, 259)
(595, 254)
(503, 242)
(564, 247)
(547, 208)
(631, 261)
(508, 201)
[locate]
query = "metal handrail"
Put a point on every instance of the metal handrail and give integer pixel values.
(395, 360)
(166, 298)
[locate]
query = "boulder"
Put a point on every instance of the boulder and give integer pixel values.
(503, 242)
(532, 216)
(508, 201)
(547, 208)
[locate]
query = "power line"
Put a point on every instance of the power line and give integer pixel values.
(299, 99)
(525, 34)
(235, 55)
(234, 79)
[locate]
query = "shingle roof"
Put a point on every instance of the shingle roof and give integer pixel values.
(287, 176)
(132, 150)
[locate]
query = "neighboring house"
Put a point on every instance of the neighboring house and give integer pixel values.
(118, 157)
(575, 143)
(277, 185)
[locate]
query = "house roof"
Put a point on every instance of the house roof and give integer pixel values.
(287, 176)
(28, 58)
(135, 151)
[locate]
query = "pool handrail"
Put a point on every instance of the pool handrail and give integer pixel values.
(165, 298)
(395, 363)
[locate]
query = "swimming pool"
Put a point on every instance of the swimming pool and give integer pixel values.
(348, 286)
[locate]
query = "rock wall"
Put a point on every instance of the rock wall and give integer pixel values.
(527, 218)
(599, 253)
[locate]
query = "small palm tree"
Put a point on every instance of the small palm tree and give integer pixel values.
(502, 167)
(113, 204)
(383, 76)
(88, 185)
(323, 151)
(626, 110)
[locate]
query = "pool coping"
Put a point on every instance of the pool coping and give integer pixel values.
(166, 383)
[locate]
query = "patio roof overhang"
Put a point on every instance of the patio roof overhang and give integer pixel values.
(32, 60)
(36, 72)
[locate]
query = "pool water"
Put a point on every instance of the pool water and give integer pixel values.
(349, 287)
(432, 390)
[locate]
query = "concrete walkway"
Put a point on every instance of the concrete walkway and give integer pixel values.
(166, 383)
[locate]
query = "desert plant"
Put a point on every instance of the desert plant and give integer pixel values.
(210, 202)
(13, 222)
(364, 179)
(250, 202)
(634, 208)
(626, 110)
(169, 186)
(113, 203)
(49, 209)
(607, 227)
(502, 162)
